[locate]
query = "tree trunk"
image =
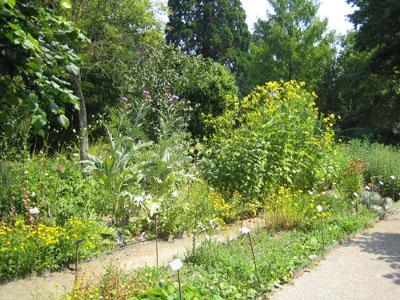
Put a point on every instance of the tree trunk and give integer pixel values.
(83, 127)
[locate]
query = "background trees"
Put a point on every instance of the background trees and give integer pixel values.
(216, 29)
(293, 43)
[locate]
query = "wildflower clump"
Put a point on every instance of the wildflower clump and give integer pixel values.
(26, 248)
(273, 137)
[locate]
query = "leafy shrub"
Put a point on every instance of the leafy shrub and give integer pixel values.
(203, 83)
(382, 163)
(26, 248)
(273, 137)
(186, 209)
(55, 184)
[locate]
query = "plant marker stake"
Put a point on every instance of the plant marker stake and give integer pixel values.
(156, 224)
(180, 288)
(320, 209)
(246, 230)
(176, 265)
(77, 243)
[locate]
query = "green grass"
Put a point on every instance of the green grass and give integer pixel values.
(226, 270)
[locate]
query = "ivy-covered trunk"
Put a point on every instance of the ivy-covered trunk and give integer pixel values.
(83, 127)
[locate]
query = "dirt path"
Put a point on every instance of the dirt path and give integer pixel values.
(367, 268)
(53, 285)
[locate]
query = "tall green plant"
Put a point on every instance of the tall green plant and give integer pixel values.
(274, 136)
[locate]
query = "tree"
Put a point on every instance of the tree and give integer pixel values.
(366, 101)
(216, 29)
(378, 29)
(36, 62)
(293, 43)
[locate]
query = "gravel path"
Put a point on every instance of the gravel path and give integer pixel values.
(54, 285)
(368, 267)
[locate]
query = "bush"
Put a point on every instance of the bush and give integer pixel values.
(55, 184)
(382, 163)
(26, 248)
(273, 137)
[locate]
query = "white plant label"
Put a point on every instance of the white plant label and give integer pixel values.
(245, 230)
(176, 265)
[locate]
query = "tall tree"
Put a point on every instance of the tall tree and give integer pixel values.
(216, 29)
(378, 24)
(293, 43)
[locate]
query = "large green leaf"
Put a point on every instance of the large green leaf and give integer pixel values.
(63, 120)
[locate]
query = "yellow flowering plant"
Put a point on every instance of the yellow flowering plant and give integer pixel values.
(26, 248)
(274, 136)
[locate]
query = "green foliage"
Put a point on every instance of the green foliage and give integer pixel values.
(164, 71)
(376, 29)
(344, 90)
(55, 185)
(226, 270)
(292, 44)
(26, 248)
(215, 29)
(273, 137)
(381, 164)
(117, 30)
(36, 62)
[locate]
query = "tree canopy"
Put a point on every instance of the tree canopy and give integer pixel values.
(216, 29)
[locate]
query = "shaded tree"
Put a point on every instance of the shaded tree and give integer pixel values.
(216, 29)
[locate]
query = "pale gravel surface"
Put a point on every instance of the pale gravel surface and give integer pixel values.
(54, 285)
(366, 268)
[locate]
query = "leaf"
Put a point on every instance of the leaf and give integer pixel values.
(66, 4)
(38, 121)
(63, 120)
(73, 69)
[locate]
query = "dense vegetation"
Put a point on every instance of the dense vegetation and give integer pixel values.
(107, 123)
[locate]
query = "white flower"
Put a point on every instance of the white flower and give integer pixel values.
(381, 183)
(176, 265)
(355, 194)
(367, 187)
(73, 130)
(320, 208)
(34, 211)
(175, 194)
(138, 200)
(75, 155)
(245, 230)
(393, 177)
(311, 192)
(33, 194)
